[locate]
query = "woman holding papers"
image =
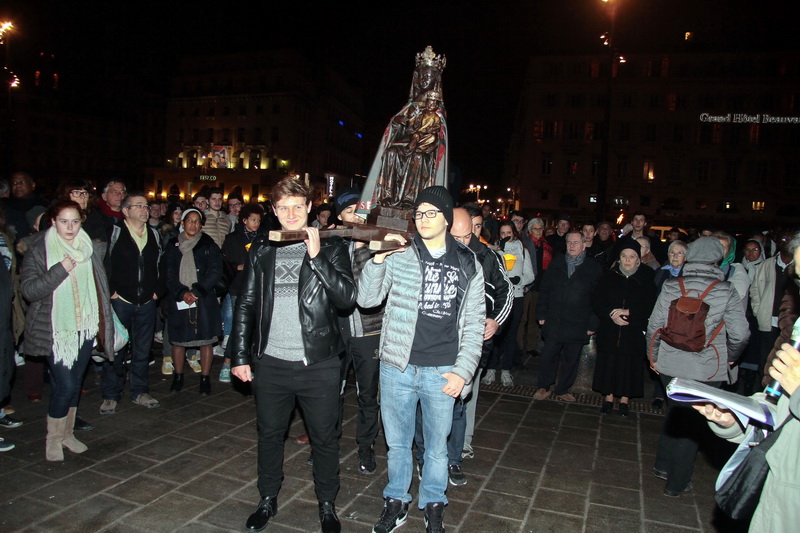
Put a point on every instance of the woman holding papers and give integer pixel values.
(192, 264)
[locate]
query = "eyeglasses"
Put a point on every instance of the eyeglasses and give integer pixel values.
(79, 193)
(234, 204)
(139, 206)
(428, 214)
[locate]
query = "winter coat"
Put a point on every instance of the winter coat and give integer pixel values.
(234, 250)
(523, 268)
(724, 304)
(204, 322)
(777, 510)
(497, 288)
(399, 278)
(621, 350)
(325, 285)
(6, 339)
(217, 226)
(762, 293)
(38, 283)
(564, 302)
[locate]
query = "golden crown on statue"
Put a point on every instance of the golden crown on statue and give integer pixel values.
(430, 59)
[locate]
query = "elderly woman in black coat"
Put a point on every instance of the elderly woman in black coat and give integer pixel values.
(192, 265)
(623, 300)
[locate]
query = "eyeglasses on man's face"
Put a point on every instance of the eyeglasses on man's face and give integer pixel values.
(431, 213)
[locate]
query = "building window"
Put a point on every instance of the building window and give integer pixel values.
(538, 130)
(672, 102)
(622, 167)
(573, 130)
(550, 129)
(649, 170)
(210, 135)
(257, 136)
(242, 111)
(572, 167)
(621, 201)
(755, 132)
(665, 66)
(624, 131)
(588, 131)
(274, 137)
(732, 175)
(702, 171)
(592, 198)
(240, 135)
(758, 206)
(226, 135)
(547, 164)
(650, 133)
(595, 168)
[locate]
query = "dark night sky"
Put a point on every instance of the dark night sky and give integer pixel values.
(373, 45)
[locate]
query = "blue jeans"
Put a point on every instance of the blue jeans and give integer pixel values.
(65, 383)
(140, 321)
(400, 393)
(455, 441)
(227, 314)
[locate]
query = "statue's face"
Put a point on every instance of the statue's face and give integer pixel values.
(426, 78)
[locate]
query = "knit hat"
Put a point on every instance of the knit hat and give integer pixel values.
(564, 216)
(706, 250)
(33, 213)
(439, 197)
(632, 244)
(346, 198)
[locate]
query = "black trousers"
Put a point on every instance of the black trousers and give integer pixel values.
(680, 438)
(362, 352)
(567, 356)
(277, 385)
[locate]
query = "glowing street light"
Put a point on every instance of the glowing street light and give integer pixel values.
(4, 27)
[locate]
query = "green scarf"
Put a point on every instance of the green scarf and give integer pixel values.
(75, 306)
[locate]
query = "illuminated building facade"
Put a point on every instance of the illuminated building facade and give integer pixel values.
(248, 120)
(701, 138)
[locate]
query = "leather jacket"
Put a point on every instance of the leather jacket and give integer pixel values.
(325, 285)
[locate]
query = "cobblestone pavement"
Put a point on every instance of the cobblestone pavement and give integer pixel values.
(190, 465)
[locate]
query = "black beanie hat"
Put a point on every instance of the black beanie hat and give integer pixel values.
(632, 244)
(437, 196)
(346, 198)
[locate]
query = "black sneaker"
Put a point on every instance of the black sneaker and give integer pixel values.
(434, 517)
(394, 515)
(9, 422)
(366, 460)
(456, 476)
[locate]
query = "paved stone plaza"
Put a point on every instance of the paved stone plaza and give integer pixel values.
(539, 466)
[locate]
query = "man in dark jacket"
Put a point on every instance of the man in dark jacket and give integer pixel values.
(135, 286)
(286, 326)
(566, 317)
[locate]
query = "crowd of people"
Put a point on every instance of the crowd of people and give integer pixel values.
(92, 278)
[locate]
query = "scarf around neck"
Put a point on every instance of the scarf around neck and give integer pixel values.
(75, 306)
(574, 262)
(187, 273)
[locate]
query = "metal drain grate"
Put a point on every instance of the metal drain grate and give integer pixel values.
(638, 406)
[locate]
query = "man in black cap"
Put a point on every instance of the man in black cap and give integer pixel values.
(558, 240)
(430, 346)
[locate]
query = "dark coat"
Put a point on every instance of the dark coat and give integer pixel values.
(564, 301)
(234, 249)
(38, 283)
(325, 285)
(6, 339)
(204, 322)
(622, 350)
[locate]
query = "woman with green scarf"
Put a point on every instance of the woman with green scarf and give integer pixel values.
(64, 281)
(734, 272)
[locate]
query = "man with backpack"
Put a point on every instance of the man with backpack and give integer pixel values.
(697, 331)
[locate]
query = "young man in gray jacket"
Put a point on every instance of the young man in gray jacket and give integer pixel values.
(431, 344)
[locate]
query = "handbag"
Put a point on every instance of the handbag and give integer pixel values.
(121, 336)
(740, 482)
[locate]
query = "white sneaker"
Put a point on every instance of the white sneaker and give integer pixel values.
(219, 350)
(488, 379)
(195, 364)
(505, 377)
(167, 367)
(19, 361)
